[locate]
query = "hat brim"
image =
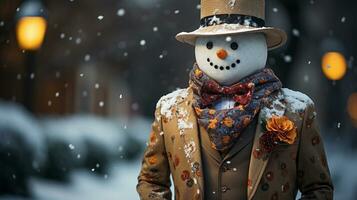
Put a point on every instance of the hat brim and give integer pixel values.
(275, 37)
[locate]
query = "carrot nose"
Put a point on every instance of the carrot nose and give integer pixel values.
(222, 54)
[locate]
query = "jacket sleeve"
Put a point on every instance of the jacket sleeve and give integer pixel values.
(154, 178)
(314, 180)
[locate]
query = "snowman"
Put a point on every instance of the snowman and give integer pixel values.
(229, 58)
(234, 132)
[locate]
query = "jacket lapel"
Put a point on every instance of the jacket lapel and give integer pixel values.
(191, 141)
(258, 163)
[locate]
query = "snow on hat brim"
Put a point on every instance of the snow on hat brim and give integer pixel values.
(275, 37)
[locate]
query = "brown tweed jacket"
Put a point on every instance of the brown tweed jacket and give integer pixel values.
(174, 149)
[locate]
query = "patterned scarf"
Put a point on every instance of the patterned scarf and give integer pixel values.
(250, 94)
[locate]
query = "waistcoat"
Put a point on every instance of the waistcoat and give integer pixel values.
(226, 175)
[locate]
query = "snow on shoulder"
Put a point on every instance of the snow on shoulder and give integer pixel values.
(297, 100)
(167, 102)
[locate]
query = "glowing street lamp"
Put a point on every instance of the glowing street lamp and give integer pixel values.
(30, 32)
(334, 65)
(31, 25)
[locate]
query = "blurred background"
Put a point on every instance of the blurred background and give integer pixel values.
(79, 80)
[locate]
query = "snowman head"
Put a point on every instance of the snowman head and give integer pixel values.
(229, 58)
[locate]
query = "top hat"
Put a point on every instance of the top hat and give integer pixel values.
(228, 17)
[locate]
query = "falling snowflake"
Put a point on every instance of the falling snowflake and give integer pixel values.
(296, 32)
(87, 57)
(287, 58)
(121, 12)
(100, 17)
(78, 40)
(96, 86)
(228, 39)
(177, 12)
(57, 94)
(343, 19)
(155, 29)
(101, 103)
(275, 10)
(120, 149)
(84, 93)
(71, 146)
(142, 42)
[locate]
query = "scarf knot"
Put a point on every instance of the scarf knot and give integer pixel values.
(249, 94)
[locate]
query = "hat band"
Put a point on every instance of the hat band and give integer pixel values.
(232, 19)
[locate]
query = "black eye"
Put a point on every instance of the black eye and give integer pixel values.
(209, 45)
(234, 46)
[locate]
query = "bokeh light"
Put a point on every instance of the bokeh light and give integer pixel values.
(31, 32)
(352, 107)
(334, 65)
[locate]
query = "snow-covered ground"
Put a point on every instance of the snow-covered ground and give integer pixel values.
(119, 183)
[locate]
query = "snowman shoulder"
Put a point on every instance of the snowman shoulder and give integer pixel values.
(166, 103)
(296, 101)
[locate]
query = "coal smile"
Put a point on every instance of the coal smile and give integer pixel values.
(233, 65)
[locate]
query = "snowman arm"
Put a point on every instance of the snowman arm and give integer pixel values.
(313, 175)
(154, 178)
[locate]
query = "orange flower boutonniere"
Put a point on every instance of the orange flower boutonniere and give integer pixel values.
(279, 129)
(283, 127)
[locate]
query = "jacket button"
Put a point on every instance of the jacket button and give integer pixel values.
(265, 186)
(225, 167)
(224, 189)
